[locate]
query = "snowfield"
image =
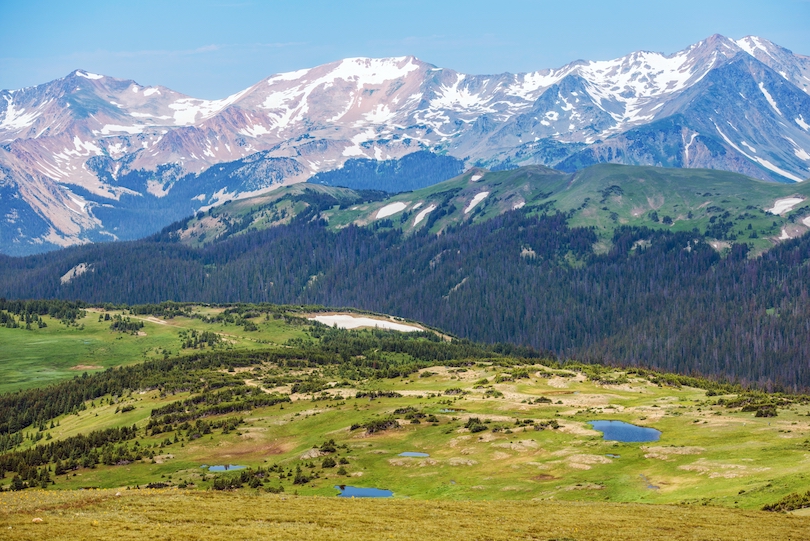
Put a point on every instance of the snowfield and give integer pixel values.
(346, 321)
(421, 215)
(475, 200)
(390, 209)
(781, 206)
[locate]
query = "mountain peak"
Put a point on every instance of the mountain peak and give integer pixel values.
(85, 75)
(110, 137)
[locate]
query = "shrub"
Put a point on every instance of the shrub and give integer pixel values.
(474, 424)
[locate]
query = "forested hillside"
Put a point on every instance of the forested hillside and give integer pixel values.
(657, 298)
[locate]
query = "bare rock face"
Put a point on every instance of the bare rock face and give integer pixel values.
(89, 157)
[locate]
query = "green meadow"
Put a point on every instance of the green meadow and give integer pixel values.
(507, 443)
(37, 357)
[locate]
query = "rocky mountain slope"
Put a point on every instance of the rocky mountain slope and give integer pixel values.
(89, 157)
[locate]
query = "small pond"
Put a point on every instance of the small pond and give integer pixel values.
(624, 432)
(649, 484)
(224, 467)
(417, 455)
(361, 492)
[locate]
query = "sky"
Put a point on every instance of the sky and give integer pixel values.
(213, 48)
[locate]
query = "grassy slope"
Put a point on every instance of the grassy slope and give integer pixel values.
(707, 454)
(669, 192)
(148, 514)
(568, 487)
(41, 356)
(273, 208)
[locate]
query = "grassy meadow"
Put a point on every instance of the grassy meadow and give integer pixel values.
(707, 455)
(511, 453)
(193, 515)
(37, 357)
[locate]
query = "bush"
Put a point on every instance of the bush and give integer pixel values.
(766, 411)
(474, 424)
(328, 462)
(790, 502)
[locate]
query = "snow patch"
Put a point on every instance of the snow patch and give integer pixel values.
(187, 109)
(781, 206)
(75, 272)
(519, 205)
(749, 147)
(346, 321)
(475, 200)
(421, 216)
(147, 115)
(110, 128)
(762, 161)
(254, 131)
(156, 188)
(804, 125)
(390, 209)
(14, 119)
(149, 91)
(769, 98)
(689, 144)
(476, 177)
(88, 75)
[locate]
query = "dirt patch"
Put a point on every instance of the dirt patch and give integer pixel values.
(312, 453)
(522, 445)
(716, 470)
(665, 453)
(585, 462)
(87, 367)
(498, 455)
(458, 461)
(559, 383)
(577, 429)
(406, 463)
(458, 440)
(160, 459)
(544, 477)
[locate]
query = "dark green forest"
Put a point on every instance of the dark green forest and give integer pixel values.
(657, 299)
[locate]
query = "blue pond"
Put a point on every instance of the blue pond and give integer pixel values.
(624, 432)
(226, 467)
(411, 453)
(360, 492)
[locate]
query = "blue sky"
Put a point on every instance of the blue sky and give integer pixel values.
(212, 48)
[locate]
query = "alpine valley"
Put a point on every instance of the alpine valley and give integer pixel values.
(88, 157)
(567, 304)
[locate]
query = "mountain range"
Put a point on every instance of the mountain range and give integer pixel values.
(88, 157)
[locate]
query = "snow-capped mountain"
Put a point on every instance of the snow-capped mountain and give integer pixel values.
(89, 157)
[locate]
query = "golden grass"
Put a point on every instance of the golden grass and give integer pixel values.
(180, 515)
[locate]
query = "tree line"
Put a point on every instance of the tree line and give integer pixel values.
(657, 299)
